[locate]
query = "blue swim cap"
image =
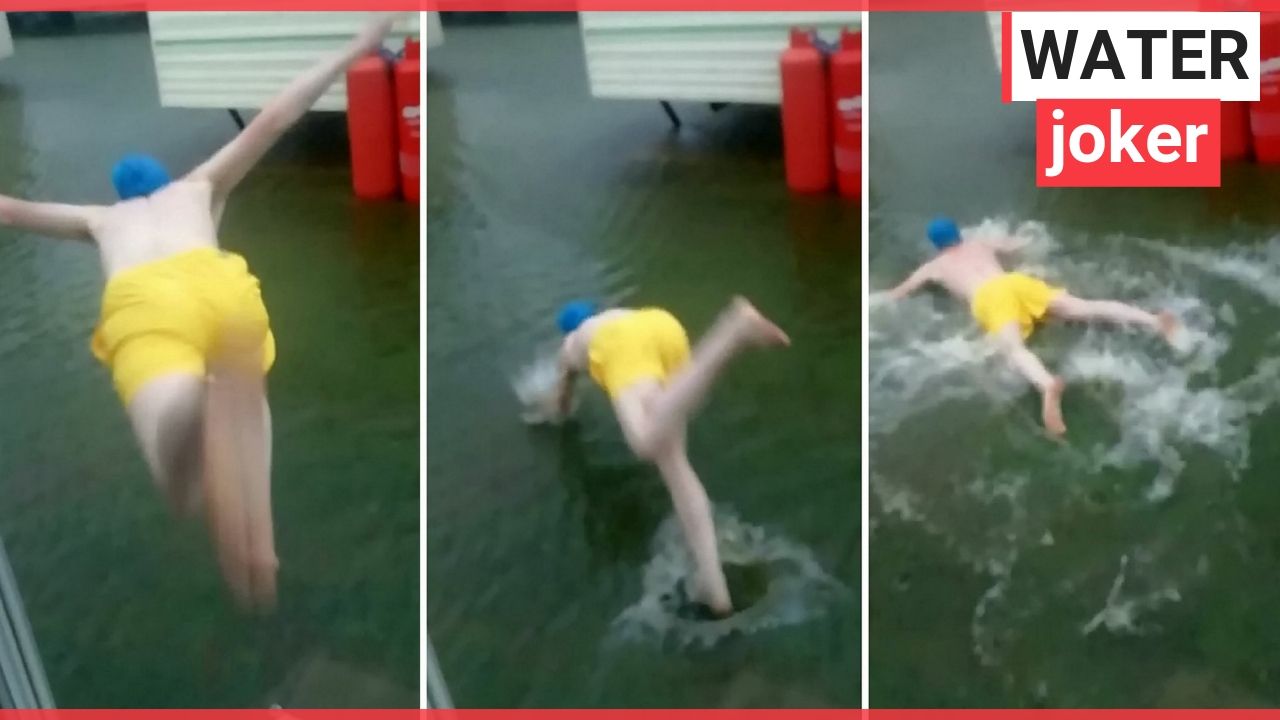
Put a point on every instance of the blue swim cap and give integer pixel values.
(574, 314)
(138, 176)
(943, 233)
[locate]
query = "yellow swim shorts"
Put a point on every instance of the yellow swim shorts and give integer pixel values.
(1012, 297)
(644, 344)
(173, 314)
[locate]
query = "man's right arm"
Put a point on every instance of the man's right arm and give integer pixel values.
(56, 219)
(229, 165)
(914, 282)
(564, 388)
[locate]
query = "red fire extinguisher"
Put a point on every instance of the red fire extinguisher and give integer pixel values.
(371, 128)
(846, 122)
(806, 132)
(409, 116)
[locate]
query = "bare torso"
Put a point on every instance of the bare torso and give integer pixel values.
(179, 217)
(964, 268)
(574, 352)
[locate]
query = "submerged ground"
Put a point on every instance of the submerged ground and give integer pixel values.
(126, 603)
(1132, 564)
(551, 574)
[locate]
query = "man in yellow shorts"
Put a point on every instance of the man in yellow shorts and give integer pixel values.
(1008, 305)
(184, 331)
(641, 358)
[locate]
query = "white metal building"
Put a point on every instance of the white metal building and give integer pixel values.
(6, 41)
(239, 60)
(696, 56)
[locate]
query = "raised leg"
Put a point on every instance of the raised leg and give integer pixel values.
(1030, 367)
(660, 416)
(1069, 307)
(693, 509)
(238, 484)
(167, 415)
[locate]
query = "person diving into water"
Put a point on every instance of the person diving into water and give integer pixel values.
(1008, 305)
(641, 358)
(184, 331)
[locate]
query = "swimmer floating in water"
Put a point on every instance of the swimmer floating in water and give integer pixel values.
(1008, 305)
(184, 330)
(641, 358)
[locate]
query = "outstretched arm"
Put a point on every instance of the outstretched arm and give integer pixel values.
(229, 165)
(68, 221)
(914, 282)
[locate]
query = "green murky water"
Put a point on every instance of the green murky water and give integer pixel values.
(1131, 565)
(539, 538)
(126, 603)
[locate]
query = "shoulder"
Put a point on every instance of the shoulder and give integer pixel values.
(573, 348)
(190, 184)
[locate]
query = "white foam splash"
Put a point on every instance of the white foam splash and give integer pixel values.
(1160, 408)
(1120, 614)
(798, 589)
(536, 385)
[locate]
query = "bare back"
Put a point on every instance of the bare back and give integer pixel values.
(179, 217)
(574, 351)
(963, 268)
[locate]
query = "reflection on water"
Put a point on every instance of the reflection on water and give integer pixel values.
(126, 603)
(1118, 568)
(554, 569)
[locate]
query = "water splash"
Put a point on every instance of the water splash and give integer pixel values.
(1120, 614)
(795, 588)
(535, 385)
(1154, 412)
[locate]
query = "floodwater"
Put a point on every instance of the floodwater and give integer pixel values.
(127, 605)
(553, 569)
(1131, 565)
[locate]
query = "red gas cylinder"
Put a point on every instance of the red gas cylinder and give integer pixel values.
(1264, 115)
(371, 128)
(806, 115)
(846, 119)
(409, 116)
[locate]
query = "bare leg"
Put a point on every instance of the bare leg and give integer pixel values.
(168, 419)
(654, 417)
(738, 326)
(1030, 367)
(1069, 307)
(694, 512)
(238, 484)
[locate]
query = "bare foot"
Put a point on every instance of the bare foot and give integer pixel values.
(760, 329)
(1051, 408)
(1168, 325)
(721, 611)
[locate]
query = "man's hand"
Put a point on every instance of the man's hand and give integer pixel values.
(918, 279)
(375, 31)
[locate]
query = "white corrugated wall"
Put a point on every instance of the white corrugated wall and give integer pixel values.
(240, 60)
(995, 30)
(6, 41)
(434, 33)
(701, 56)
